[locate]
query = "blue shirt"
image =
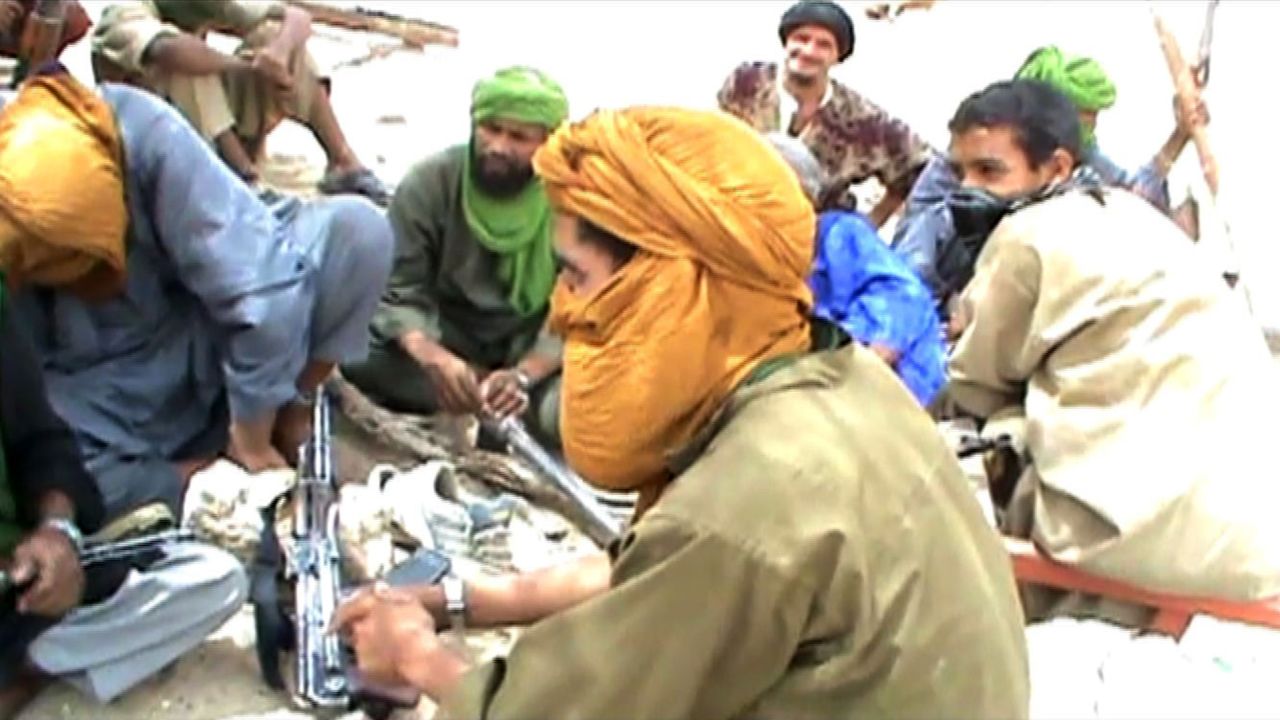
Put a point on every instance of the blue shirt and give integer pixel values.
(861, 285)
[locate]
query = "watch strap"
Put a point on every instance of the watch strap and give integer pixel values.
(455, 601)
(69, 529)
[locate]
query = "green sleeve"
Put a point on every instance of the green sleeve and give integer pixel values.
(675, 637)
(416, 214)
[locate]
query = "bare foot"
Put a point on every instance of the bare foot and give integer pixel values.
(292, 430)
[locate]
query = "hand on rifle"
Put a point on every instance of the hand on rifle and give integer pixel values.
(390, 631)
(504, 393)
(47, 560)
(1185, 122)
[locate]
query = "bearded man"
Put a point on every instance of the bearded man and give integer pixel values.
(460, 327)
(805, 545)
(1102, 337)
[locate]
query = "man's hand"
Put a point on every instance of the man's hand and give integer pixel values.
(504, 395)
(250, 447)
(11, 13)
(273, 67)
(1185, 122)
(456, 384)
(48, 560)
(886, 353)
(390, 631)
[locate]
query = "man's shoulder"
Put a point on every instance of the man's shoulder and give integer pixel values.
(749, 77)
(132, 105)
(432, 176)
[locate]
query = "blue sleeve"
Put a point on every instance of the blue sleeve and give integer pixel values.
(925, 224)
(223, 244)
(874, 295)
(1147, 182)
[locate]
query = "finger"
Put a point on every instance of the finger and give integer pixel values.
(352, 611)
(471, 390)
(23, 568)
(39, 596)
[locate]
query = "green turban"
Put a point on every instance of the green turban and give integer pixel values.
(522, 94)
(517, 228)
(1080, 78)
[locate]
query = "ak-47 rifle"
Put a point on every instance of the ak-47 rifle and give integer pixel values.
(600, 526)
(414, 33)
(98, 553)
(326, 671)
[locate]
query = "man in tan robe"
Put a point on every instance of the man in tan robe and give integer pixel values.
(805, 546)
(1143, 384)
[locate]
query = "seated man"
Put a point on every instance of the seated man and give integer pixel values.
(805, 545)
(1142, 380)
(175, 315)
(234, 101)
(861, 286)
(460, 328)
(852, 137)
(926, 227)
(46, 501)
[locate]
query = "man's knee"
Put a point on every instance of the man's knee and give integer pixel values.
(214, 579)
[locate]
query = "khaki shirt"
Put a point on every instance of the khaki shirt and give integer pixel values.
(819, 556)
(1147, 388)
(444, 283)
(126, 30)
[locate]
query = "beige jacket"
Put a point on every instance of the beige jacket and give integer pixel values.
(1148, 391)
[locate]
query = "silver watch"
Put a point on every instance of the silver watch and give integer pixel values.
(69, 529)
(455, 601)
(522, 379)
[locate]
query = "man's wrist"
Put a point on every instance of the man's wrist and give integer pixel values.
(66, 528)
(433, 668)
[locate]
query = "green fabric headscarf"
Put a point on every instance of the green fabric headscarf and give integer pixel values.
(1080, 78)
(10, 529)
(518, 228)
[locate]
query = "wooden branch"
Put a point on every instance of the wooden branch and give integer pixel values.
(414, 33)
(414, 438)
(1188, 96)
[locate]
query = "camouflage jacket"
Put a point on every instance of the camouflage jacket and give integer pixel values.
(852, 138)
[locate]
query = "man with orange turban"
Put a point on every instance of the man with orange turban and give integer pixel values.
(805, 545)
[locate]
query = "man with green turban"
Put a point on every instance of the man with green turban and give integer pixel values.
(461, 325)
(926, 227)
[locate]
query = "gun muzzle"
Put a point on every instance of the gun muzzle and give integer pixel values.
(599, 525)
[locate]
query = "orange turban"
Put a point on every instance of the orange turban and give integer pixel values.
(725, 236)
(62, 203)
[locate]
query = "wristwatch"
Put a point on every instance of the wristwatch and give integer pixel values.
(69, 529)
(522, 379)
(455, 601)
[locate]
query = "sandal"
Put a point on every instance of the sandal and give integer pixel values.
(356, 182)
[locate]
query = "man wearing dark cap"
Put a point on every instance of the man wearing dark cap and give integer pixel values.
(852, 137)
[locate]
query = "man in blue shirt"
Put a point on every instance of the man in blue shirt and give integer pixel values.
(861, 286)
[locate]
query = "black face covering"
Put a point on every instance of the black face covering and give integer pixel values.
(975, 213)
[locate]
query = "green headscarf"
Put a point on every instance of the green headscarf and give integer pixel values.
(1080, 78)
(518, 229)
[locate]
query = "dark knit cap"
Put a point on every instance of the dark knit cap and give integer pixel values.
(824, 14)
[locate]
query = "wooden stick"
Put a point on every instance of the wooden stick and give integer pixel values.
(1188, 95)
(414, 33)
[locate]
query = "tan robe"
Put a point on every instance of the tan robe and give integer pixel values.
(1148, 391)
(819, 557)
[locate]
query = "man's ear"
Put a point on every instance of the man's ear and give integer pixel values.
(1062, 163)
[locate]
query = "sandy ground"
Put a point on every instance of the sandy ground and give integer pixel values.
(398, 106)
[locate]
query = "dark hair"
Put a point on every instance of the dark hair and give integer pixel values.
(824, 14)
(620, 250)
(1042, 118)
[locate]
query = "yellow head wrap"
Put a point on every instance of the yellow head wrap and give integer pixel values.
(725, 236)
(62, 202)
